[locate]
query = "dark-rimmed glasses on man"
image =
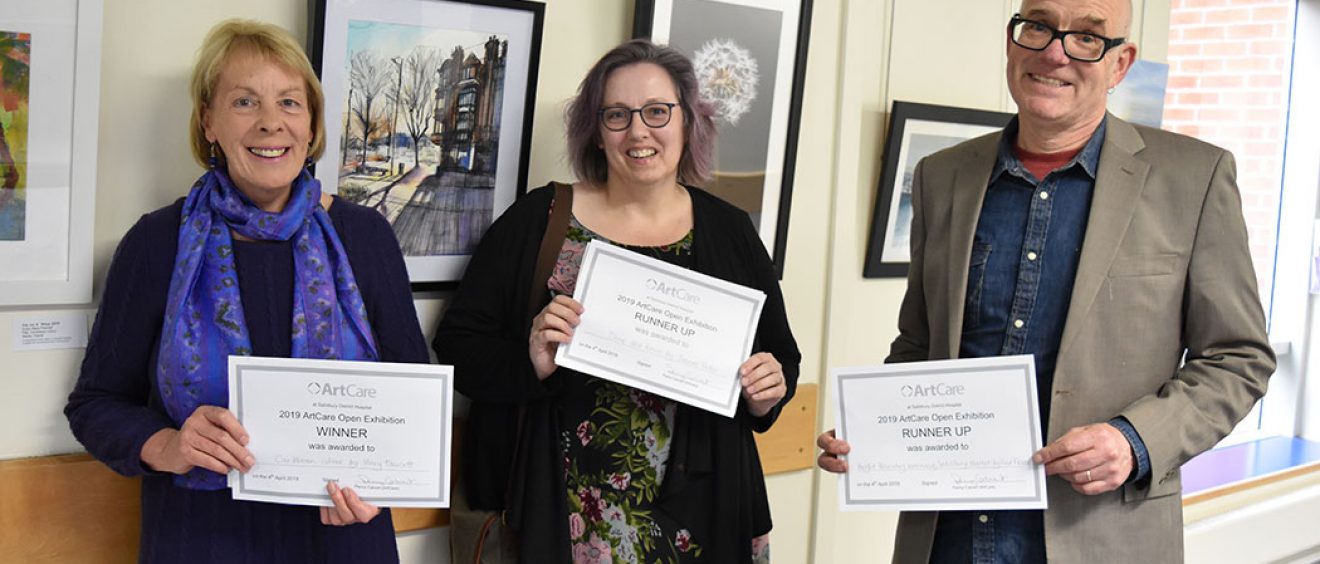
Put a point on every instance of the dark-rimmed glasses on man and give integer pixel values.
(1077, 45)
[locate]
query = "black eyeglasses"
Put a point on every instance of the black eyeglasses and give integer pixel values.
(1077, 45)
(655, 115)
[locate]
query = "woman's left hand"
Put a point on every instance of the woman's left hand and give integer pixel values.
(348, 509)
(763, 384)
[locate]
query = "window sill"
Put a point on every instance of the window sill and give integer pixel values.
(1256, 501)
(1247, 466)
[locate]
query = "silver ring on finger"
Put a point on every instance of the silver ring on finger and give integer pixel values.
(1088, 476)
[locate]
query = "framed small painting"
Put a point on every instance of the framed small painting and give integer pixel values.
(915, 131)
(50, 76)
(750, 57)
(428, 116)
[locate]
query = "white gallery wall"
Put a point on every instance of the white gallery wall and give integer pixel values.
(864, 54)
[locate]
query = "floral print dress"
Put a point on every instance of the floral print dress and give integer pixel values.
(616, 440)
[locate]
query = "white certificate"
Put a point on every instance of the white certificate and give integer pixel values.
(380, 428)
(941, 435)
(660, 328)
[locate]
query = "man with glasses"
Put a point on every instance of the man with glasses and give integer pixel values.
(1117, 256)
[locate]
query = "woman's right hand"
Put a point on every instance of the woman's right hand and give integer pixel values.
(211, 438)
(554, 325)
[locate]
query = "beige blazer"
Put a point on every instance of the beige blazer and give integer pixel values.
(1164, 272)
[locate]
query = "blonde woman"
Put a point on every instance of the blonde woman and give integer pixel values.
(254, 261)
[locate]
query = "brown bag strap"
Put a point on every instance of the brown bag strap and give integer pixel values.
(555, 231)
(561, 209)
(482, 536)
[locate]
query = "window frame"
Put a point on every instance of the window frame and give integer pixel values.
(1283, 411)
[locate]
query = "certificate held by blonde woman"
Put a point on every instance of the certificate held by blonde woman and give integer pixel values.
(380, 428)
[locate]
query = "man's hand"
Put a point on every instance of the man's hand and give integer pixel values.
(831, 449)
(1095, 459)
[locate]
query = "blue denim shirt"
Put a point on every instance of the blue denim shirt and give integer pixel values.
(1024, 258)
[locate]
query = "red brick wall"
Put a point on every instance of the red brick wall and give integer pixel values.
(1229, 62)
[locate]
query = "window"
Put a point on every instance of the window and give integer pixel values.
(1238, 72)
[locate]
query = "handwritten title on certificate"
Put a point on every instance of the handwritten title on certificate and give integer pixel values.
(942, 435)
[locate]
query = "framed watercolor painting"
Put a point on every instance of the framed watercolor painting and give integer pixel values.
(915, 131)
(751, 58)
(50, 75)
(428, 116)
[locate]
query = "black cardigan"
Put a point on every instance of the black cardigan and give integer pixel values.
(713, 482)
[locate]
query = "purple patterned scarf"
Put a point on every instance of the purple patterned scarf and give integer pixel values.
(204, 321)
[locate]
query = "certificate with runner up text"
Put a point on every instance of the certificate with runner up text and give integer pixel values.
(940, 435)
(657, 327)
(380, 428)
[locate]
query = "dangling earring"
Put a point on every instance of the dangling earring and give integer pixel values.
(214, 159)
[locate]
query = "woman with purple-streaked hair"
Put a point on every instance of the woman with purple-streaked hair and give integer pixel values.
(604, 472)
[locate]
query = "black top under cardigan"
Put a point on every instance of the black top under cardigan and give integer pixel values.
(115, 406)
(713, 482)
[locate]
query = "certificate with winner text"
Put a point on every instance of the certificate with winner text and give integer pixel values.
(380, 428)
(657, 327)
(940, 436)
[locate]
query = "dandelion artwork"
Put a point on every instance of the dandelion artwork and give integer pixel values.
(737, 66)
(15, 56)
(728, 78)
(749, 60)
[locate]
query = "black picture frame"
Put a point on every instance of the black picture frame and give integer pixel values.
(759, 157)
(915, 131)
(463, 75)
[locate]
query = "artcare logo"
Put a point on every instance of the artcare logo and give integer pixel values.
(932, 390)
(675, 292)
(340, 391)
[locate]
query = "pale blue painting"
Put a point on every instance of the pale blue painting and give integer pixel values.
(1140, 97)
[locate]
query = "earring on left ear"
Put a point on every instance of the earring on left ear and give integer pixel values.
(214, 160)
(1111, 90)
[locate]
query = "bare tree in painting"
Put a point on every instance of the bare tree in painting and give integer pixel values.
(369, 77)
(417, 93)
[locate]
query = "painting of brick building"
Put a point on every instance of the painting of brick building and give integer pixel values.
(421, 131)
